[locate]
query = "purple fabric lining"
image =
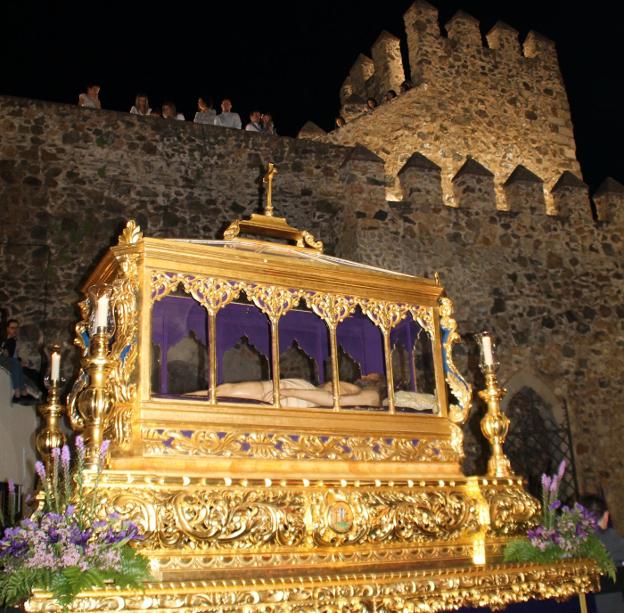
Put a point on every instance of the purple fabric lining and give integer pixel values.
(175, 317)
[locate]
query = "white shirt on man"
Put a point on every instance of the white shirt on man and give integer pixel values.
(228, 120)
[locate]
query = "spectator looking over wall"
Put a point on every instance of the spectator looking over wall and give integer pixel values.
(141, 105)
(169, 111)
(228, 119)
(205, 113)
(255, 124)
(90, 99)
(267, 122)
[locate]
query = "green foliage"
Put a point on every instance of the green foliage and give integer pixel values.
(594, 548)
(15, 587)
(66, 584)
(522, 551)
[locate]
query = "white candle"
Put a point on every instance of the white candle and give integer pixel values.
(101, 313)
(488, 356)
(55, 366)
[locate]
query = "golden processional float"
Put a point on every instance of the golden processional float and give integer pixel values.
(311, 496)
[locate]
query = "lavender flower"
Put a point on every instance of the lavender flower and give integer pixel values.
(104, 449)
(80, 448)
(561, 470)
(554, 485)
(545, 482)
(40, 470)
(11, 486)
(554, 505)
(65, 458)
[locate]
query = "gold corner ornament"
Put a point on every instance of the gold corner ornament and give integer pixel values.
(131, 234)
(460, 388)
(107, 380)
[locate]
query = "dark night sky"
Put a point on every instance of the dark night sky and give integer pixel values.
(289, 58)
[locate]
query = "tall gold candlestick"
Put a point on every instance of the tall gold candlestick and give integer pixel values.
(95, 401)
(50, 436)
(495, 424)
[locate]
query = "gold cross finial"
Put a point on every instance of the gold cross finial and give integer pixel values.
(268, 179)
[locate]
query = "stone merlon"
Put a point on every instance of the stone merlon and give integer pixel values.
(504, 39)
(472, 167)
(310, 130)
(464, 29)
(418, 160)
(389, 72)
(361, 71)
(537, 45)
(522, 174)
(359, 153)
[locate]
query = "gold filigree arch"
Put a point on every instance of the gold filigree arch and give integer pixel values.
(331, 308)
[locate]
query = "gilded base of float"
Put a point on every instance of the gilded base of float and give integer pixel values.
(429, 590)
(201, 528)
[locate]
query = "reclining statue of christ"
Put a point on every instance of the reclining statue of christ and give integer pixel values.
(365, 392)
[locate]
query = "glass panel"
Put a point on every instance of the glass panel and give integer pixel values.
(304, 350)
(179, 345)
(361, 363)
(413, 368)
(243, 354)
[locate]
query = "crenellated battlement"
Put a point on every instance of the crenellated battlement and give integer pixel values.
(426, 41)
(490, 99)
(474, 186)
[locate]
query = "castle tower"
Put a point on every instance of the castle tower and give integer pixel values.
(502, 105)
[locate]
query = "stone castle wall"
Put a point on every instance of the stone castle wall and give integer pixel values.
(70, 177)
(548, 286)
(503, 105)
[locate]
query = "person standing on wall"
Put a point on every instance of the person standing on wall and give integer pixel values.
(91, 98)
(228, 119)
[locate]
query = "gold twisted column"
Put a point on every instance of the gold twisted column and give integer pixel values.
(495, 424)
(50, 436)
(96, 400)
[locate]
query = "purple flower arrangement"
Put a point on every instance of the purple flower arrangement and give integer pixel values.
(565, 532)
(65, 547)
